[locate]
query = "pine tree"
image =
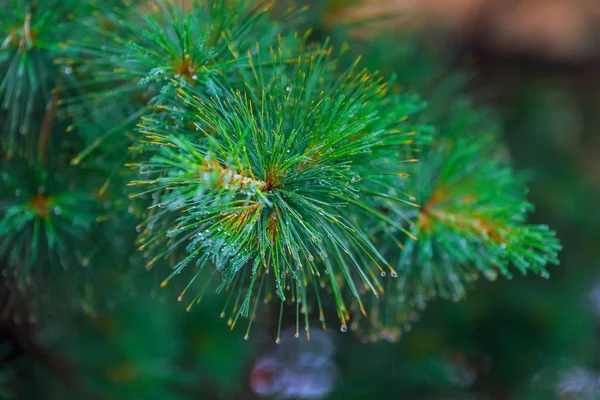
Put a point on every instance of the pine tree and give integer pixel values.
(212, 141)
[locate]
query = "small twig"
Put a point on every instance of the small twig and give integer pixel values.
(27, 39)
(46, 128)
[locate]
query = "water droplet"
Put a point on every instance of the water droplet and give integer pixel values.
(68, 70)
(394, 274)
(383, 273)
(344, 328)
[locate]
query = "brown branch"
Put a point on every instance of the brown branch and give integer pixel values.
(481, 225)
(46, 128)
(228, 177)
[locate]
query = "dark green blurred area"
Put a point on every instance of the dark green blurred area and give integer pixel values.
(519, 338)
(509, 339)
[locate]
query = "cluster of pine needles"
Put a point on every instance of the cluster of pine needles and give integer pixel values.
(259, 163)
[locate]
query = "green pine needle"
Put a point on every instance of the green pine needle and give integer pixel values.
(32, 33)
(272, 185)
(473, 215)
(43, 222)
(135, 58)
(473, 222)
(267, 170)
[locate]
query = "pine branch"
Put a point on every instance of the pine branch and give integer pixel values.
(473, 222)
(473, 218)
(270, 194)
(134, 58)
(31, 33)
(263, 167)
(42, 218)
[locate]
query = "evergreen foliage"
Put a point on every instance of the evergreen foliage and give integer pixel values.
(281, 179)
(248, 160)
(132, 59)
(43, 216)
(32, 34)
(472, 218)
